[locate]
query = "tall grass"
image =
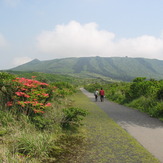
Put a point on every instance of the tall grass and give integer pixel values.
(22, 141)
(31, 128)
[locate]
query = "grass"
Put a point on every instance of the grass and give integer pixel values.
(106, 140)
(22, 142)
(99, 140)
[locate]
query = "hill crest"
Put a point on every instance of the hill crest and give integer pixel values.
(119, 68)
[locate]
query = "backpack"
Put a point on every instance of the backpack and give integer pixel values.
(96, 93)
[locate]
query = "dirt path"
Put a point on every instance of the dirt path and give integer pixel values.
(148, 131)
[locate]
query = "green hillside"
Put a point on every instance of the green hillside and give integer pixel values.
(118, 68)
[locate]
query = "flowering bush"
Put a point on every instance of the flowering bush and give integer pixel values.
(27, 96)
(73, 117)
(32, 96)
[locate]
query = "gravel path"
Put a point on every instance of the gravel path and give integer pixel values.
(148, 131)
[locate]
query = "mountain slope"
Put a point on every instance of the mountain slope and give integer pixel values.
(120, 68)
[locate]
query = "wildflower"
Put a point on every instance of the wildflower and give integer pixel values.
(19, 93)
(44, 84)
(38, 111)
(48, 104)
(21, 103)
(27, 102)
(9, 103)
(45, 94)
(25, 95)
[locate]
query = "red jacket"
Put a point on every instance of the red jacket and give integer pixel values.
(102, 92)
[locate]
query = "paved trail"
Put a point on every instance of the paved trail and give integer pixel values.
(148, 131)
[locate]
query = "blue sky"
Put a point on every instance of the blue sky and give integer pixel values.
(49, 29)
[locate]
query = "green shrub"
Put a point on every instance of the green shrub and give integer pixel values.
(41, 122)
(148, 105)
(92, 87)
(157, 111)
(6, 118)
(160, 94)
(72, 117)
(7, 88)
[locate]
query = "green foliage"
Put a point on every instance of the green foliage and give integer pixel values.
(3, 131)
(37, 135)
(41, 122)
(92, 87)
(46, 77)
(116, 91)
(32, 145)
(5, 118)
(7, 88)
(73, 117)
(139, 79)
(143, 103)
(64, 89)
(34, 138)
(145, 95)
(119, 68)
(107, 141)
(31, 97)
(27, 96)
(141, 87)
(148, 105)
(160, 93)
(157, 111)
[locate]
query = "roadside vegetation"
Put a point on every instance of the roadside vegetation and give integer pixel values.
(142, 94)
(66, 78)
(106, 141)
(43, 119)
(38, 122)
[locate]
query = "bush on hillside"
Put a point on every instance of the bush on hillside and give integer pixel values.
(72, 117)
(145, 95)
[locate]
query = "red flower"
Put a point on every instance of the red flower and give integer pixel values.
(27, 102)
(9, 103)
(48, 104)
(45, 94)
(38, 111)
(19, 93)
(25, 95)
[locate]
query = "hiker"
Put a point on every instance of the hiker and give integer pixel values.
(102, 93)
(96, 94)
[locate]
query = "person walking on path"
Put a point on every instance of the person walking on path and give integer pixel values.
(148, 131)
(102, 93)
(96, 93)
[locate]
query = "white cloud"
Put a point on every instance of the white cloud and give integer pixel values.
(143, 46)
(21, 60)
(3, 42)
(77, 40)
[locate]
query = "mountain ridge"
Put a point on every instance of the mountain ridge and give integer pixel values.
(119, 68)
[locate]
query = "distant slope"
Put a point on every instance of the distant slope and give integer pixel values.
(119, 68)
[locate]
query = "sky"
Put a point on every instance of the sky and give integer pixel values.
(51, 29)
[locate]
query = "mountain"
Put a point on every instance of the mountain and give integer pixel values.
(119, 68)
